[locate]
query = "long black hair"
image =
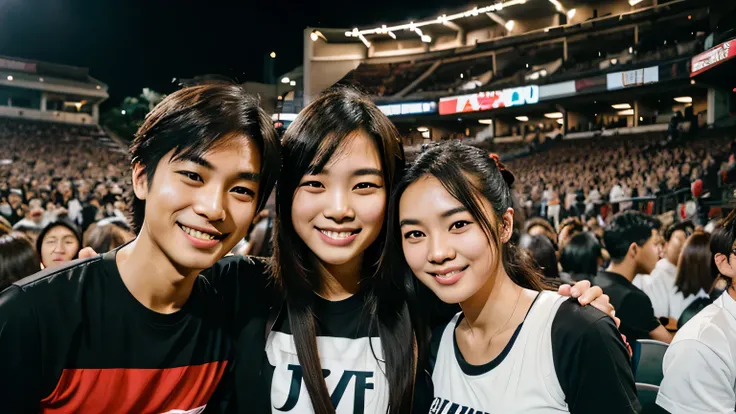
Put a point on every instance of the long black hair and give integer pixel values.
(307, 146)
(469, 175)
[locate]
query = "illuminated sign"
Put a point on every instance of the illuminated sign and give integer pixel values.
(630, 78)
(485, 101)
(713, 57)
(410, 108)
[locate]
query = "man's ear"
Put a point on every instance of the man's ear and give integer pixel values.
(140, 181)
(507, 228)
(724, 267)
(633, 250)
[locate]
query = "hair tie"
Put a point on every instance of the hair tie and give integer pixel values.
(507, 175)
(498, 162)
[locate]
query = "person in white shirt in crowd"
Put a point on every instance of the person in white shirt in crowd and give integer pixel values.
(659, 285)
(700, 364)
(695, 275)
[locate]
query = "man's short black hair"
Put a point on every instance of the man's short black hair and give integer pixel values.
(626, 228)
(192, 121)
(723, 239)
(685, 226)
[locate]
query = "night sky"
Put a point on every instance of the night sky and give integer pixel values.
(131, 44)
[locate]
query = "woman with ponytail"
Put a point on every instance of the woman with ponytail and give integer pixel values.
(514, 347)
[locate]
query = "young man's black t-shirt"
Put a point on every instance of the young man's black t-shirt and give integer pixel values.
(75, 340)
(633, 306)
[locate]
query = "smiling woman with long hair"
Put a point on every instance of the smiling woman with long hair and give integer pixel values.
(513, 348)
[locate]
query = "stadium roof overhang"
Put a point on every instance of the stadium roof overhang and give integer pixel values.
(91, 89)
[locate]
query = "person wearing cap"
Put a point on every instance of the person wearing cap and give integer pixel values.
(59, 242)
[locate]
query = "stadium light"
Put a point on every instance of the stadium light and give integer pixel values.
(571, 14)
(292, 83)
(98, 87)
(123, 112)
(485, 121)
(557, 5)
(445, 18)
(422, 129)
(561, 121)
(10, 78)
(40, 80)
(522, 118)
(621, 106)
(316, 35)
(684, 99)
(426, 39)
(553, 115)
(273, 55)
(364, 40)
(635, 2)
(510, 25)
(285, 80)
(628, 112)
(392, 35)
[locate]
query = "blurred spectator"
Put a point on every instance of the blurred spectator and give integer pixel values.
(539, 226)
(631, 241)
(543, 252)
(107, 235)
(581, 257)
(18, 259)
(694, 275)
(58, 243)
(660, 283)
(569, 228)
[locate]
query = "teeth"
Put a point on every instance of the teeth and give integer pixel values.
(337, 235)
(197, 234)
(447, 275)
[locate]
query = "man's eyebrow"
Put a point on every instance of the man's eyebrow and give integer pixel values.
(249, 176)
(195, 159)
(243, 175)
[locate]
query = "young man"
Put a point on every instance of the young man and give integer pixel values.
(700, 364)
(660, 283)
(631, 240)
(138, 329)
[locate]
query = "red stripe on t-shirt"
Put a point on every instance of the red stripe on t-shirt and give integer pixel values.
(134, 390)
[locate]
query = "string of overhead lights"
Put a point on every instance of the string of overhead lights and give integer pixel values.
(444, 19)
(416, 26)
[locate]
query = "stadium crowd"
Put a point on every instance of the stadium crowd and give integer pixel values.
(60, 187)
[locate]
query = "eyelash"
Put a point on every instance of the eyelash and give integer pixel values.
(196, 177)
(463, 222)
(415, 234)
(359, 186)
(191, 175)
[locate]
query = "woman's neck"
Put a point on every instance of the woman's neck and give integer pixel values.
(338, 282)
(152, 278)
(489, 309)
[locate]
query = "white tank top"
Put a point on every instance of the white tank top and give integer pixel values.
(522, 379)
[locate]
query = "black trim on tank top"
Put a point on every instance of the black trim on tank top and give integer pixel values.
(470, 369)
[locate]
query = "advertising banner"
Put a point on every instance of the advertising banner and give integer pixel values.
(485, 101)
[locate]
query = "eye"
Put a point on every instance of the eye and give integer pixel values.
(191, 175)
(414, 234)
(311, 184)
(243, 191)
(459, 225)
(366, 185)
